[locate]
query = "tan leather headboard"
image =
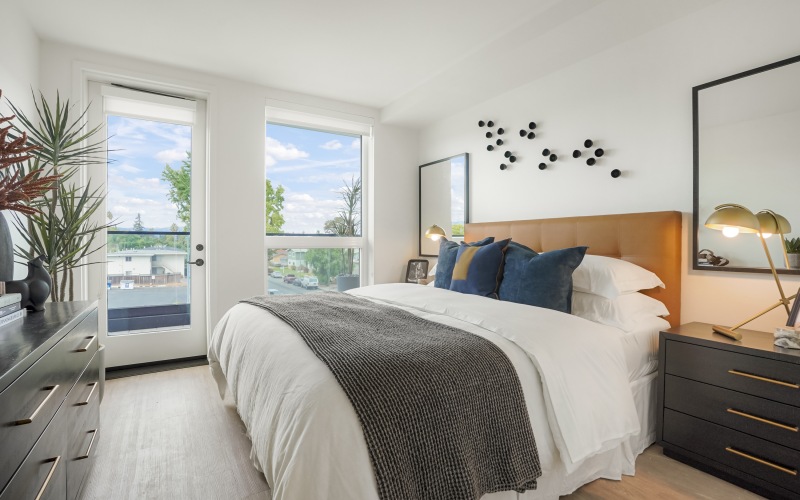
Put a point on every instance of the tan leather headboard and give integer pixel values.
(651, 240)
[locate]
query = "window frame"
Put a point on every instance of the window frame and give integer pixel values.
(337, 123)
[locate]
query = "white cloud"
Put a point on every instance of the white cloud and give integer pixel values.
(275, 151)
(127, 168)
(345, 162)
(356, 144)
(171, 155)
(332, 145)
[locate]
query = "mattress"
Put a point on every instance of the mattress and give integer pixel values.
(641, 347)
(302, 426)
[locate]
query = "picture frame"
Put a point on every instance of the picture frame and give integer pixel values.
(794, 315)
(417, 269)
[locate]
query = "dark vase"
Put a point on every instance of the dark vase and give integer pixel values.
(344, 283)
(6, 251)
(35, 288)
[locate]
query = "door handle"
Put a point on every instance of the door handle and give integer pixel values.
(198, 262)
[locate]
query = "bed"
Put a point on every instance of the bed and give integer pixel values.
(589, 389)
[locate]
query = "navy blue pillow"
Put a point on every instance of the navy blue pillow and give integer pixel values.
(448, 251)
(478, 270)
(542, 280)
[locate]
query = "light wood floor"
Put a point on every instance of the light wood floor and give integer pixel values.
(167, 435)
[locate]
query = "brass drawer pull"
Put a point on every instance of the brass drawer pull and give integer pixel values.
(86, 347)
(29, 420)
(762, 420)
(49, 477)
(89, 449)
(89, 397)
(764, 379)
(761, 461)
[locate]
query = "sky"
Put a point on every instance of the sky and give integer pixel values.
(138, 151)
(313, 167)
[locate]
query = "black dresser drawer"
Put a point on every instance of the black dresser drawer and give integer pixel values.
(759, 417)
(83, 408)
(762, 377)
(30, 402)
(771, 462)
(44, 471)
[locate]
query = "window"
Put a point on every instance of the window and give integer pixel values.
(314, 188)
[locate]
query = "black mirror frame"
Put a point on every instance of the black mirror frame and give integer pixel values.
(696, 173)
(466, 197)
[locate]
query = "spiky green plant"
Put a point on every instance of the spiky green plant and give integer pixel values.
(792, 245)
(62, 230)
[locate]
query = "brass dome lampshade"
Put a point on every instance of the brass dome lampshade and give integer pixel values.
(435, 233)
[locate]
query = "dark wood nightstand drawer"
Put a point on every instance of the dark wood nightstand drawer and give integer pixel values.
(774, 463)
(759, 417)
(762, 377)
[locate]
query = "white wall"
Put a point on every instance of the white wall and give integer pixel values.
(633, 100)
(19, 73)
(235, 246)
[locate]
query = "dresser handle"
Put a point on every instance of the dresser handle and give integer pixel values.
(49, 477)
(86, 347)
(764, 379)
(761, 461)
(762, 420)
(89, 397)
(29, 420)
(89, 449)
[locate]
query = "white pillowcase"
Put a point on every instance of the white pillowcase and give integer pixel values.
(624, 312)
(611, 277)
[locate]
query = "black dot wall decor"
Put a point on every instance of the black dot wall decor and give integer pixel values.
(489, 148)
(499, 142)
(545, 152)
(523, 133)
(553, 158)
(490, 123)
(542, 166)
(503, 166)
(500, 131)
(599, 152)
(591, 161)
(481, 123)
(588, 143)
(615, 173)
(489, 135)
(512, 159)
(576, 153)
(532, 125)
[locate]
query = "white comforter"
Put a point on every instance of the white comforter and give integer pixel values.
(306, 436)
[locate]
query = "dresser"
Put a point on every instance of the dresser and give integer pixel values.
(731, 408)
(49, 402)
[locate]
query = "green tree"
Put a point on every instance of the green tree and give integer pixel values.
(173, 228)
(325, 262)
(180, 189)
(273, 206)
(458, 230)
(137, 223)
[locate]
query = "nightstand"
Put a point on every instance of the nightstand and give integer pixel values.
(731, 408)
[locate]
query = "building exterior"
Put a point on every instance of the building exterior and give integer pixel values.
(297, 257)
(147, 261)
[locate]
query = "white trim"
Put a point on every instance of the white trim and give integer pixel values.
(328, 121)
(131, 103)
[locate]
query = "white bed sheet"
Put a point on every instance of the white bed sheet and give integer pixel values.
(641, 347)
(302, 425)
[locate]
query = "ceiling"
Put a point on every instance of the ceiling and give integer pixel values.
(416, 60)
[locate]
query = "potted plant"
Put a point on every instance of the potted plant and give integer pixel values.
(347, 223)
(61, 226)
(793, 252)
(20, 187)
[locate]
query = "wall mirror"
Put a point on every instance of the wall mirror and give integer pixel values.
(443, 200)
(746, 130)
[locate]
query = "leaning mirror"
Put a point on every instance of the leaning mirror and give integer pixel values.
(745, 134)
(443, 200)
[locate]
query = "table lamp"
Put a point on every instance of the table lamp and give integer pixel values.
(435, 233)
(733, 219)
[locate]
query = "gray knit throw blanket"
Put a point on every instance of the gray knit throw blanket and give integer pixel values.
(442, 410)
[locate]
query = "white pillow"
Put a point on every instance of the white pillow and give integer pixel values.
(611, 277)
(624, 312)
